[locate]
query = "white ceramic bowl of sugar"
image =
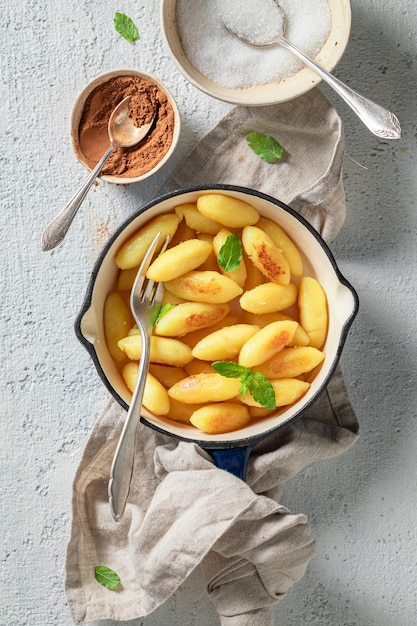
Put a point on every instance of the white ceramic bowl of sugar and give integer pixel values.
(225, 68)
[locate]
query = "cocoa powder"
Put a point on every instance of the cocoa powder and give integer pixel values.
(146, 100)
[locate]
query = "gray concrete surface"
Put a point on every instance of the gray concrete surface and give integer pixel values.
(362, 506)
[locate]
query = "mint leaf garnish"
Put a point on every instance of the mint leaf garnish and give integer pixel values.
(253, 382)
(126, 27)
(262, 391)
(106, 577)
(230, 254)
(162, 310)
(230, 369)
(245, 383)
(266, 147)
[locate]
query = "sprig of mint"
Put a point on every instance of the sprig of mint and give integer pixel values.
(251, 381)
(230, 254)
(265, 146)
(106, 577)
(126, 27)
(164, 308)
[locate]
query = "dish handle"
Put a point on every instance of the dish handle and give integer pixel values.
(233, 460)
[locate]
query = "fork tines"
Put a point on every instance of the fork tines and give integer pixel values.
(143, 287)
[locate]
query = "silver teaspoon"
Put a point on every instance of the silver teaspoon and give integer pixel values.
(378, 120)
(122, 134)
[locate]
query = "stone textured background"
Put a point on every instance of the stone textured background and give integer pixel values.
(362, 506)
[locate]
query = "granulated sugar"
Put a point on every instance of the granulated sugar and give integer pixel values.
(226, 60)
(243, 18)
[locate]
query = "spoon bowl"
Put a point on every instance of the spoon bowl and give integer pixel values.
(122, 134)
(122, 131)
(378, 120)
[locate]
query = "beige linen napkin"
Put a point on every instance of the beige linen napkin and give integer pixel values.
(183, 512)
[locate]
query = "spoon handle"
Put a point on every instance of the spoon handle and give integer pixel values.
(57, 229)
(378, 120)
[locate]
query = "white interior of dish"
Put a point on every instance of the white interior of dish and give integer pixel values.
(77, 111)
(316, 263)
(270, 93)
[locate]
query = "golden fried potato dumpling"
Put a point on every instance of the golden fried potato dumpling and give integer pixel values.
(222, 417)
(205, 286)
(265, 255)
(230, 212)
(178, 260)
(187, 317)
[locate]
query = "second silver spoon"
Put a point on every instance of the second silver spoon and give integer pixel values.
(378, 120)
(122, 134)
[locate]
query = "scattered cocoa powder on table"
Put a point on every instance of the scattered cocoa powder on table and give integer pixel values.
(146, 99)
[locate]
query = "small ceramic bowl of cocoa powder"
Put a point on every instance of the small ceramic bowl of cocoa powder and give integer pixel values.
(91, 113)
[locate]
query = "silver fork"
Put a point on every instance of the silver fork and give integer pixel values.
(145, 301)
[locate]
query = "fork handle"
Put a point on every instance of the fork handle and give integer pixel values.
(122, 466)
